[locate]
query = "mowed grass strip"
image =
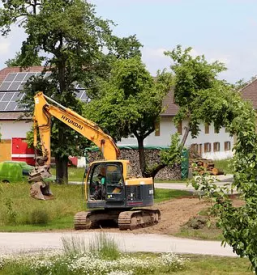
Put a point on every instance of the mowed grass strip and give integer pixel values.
(214, 265)
(168, 194)
(20, 213)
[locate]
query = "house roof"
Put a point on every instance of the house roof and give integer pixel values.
(249, 93)
(170, 108)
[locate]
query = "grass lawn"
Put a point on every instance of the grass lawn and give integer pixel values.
(74, 174)
(167, 194)
(224, 165)
(212, 265)
(213, 234)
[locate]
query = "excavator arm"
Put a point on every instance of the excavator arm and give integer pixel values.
(90, 130)
(42, 122)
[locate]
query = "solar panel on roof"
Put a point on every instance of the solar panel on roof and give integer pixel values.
(2, 106)
(14, 86)
(28, 75)
(10, 77)
(84, 96)
(11, 106)
(5, 86)
(79, 94)
(20, 76)
(16, 96)
(7, 96)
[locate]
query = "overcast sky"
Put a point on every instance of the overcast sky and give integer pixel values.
(222, 30)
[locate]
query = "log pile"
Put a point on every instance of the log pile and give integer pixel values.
(202, 164)
(152, 158)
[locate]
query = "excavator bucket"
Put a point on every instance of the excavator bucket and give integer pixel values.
(40, 188)
(41, 191)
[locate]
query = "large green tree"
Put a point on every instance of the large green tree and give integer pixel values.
(203, 97)
(131, 103)
(71, 38)
(195, 77)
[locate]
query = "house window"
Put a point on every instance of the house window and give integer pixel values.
(207, 147)
(207, 128)
(216, 131)
(200, 149)
(157, 128)
(227, 145)
(194, 148)
(179, 127)
(216, 146)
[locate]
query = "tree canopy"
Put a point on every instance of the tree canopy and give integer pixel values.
(131, 102)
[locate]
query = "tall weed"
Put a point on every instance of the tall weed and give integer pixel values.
(104, 246)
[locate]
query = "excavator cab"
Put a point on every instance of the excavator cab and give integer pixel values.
(105, 185)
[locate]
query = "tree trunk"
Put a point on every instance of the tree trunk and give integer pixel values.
(184, 139)
(61, 169)
(61, 161)
(141, 151)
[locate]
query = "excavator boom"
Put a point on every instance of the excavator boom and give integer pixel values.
(42, 119)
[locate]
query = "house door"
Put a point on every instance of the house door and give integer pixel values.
(5, 149)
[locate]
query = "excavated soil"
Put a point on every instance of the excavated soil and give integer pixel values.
(174, 214)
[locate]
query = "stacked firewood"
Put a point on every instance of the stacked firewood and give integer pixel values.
(199, 164)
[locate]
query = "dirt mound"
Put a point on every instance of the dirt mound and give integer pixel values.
(175, 214)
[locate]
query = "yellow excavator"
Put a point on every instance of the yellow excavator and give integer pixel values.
(110, 190)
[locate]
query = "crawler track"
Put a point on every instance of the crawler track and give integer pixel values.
(138, 218)
(131, 219)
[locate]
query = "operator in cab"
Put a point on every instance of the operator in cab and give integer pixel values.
(100, 190)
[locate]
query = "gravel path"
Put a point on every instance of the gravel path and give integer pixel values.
(28, 242)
